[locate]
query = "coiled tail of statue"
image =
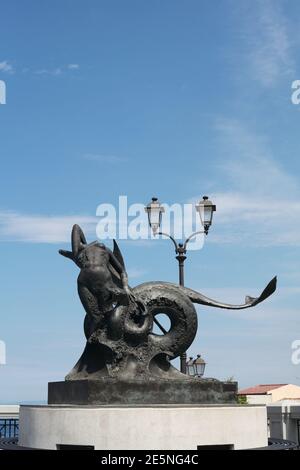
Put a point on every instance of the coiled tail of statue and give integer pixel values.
(177, 303)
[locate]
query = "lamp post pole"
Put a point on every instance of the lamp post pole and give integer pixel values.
(180, 250)
(181, 257)
(155, 210)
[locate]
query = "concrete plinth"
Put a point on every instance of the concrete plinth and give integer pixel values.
(159, 427)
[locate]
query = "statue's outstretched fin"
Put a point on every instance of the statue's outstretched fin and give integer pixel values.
(198, 298)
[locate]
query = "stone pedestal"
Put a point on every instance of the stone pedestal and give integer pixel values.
(109, 391)
(159, 427)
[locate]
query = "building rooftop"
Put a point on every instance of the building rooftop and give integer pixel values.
(262, 389)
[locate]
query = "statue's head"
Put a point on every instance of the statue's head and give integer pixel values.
(81, 250)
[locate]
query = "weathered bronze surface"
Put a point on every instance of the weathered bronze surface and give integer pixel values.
(151, 391)
(119, 319)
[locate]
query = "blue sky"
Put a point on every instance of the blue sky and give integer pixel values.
(167, 98)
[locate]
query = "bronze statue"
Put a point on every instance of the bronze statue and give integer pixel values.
(119, 319)
(103, 281)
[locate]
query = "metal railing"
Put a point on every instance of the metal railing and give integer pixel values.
(9, 427)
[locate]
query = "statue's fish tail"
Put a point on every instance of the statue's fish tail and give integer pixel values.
(198, 298)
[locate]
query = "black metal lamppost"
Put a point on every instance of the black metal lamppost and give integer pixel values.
(205, 208)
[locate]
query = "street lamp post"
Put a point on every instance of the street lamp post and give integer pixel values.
(205, 208)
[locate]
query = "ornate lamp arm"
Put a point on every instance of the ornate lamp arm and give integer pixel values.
(171, 238)
(192, 236)
(179, 247)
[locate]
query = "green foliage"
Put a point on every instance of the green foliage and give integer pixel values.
(242, 400)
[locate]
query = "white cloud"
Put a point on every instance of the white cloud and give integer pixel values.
(57, 70)
(258, 203)
(135, 273)
(41, 71)
(262, 206)
(108, 159)
(42, 229)
(266, 43)
(6, 67)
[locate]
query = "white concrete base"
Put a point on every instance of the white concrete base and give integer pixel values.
(161, 427)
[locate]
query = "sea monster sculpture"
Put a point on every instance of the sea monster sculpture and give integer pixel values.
(119, 319)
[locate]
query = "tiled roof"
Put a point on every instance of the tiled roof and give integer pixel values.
(259, 389)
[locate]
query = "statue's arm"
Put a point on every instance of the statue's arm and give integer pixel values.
(119, 268)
